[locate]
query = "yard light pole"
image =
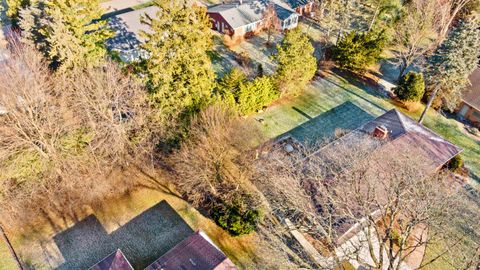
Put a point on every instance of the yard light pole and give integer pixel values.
(429, 104)
(10, 247)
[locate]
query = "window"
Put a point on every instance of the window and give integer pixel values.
(476, 114)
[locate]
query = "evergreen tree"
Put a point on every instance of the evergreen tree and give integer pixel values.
(178, 71)
(252, 96)
(229, 86)
(68, 32)
(14, 7)
(357, 51)
(452, 63)
(411, 87)
(296, 63)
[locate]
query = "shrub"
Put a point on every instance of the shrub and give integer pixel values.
(455, 163)
(237, 222)
(253, 95)
(411, 87)
(357, 51)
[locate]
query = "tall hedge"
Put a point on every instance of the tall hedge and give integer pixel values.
(253, 95)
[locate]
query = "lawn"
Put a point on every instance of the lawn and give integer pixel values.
(346, 102)
(144, 224)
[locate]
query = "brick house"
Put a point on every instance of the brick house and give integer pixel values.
(247, 17)
(469, 108)
(302, 7)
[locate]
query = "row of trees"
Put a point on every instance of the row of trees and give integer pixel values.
(296, 67)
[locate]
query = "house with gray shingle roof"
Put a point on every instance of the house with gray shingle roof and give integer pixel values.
(246, 17)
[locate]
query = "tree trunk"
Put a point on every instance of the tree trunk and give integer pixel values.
(403, 67)
(10, 247)
(373, 19)
(429, 104)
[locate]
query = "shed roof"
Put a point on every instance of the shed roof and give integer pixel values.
(195, 252)
(114, 261)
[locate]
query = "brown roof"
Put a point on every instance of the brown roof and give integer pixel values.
(406, 133)
(194, 253)
(472, 93)
(114, 261)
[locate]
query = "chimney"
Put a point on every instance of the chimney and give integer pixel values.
(380, 132)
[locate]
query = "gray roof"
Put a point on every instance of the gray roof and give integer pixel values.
(127, 27)
(238, 15)
(297, 3)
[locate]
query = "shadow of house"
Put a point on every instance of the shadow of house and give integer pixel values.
(143, 239)
(346, 116)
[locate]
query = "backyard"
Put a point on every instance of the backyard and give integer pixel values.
(144, 224)
(341, 101)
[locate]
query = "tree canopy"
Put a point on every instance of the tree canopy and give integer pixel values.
(453, 62)
(357, 51)
(296, 63)
(178, 71)
(68, 32)
(411, 87)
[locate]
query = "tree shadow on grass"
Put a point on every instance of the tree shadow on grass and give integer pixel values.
(143, 239)
(346, 116)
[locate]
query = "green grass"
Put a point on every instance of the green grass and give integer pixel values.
(333, 91)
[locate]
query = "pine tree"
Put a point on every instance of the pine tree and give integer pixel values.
(452, 63)
(357, 51)
(296, 63)
(178, 71)
(411, 87)
(228, 87)
(14, 7)
(252, 96)
(68, 32)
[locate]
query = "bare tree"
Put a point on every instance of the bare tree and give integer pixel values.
(414, 34)
(370, 205)
(448, 12)
(63, 134)
(213, 162)
(270, 22)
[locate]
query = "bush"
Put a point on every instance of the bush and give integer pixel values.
(455, 163)
(235, 221)
(254, 95)
(357, 51)
(411, 87)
